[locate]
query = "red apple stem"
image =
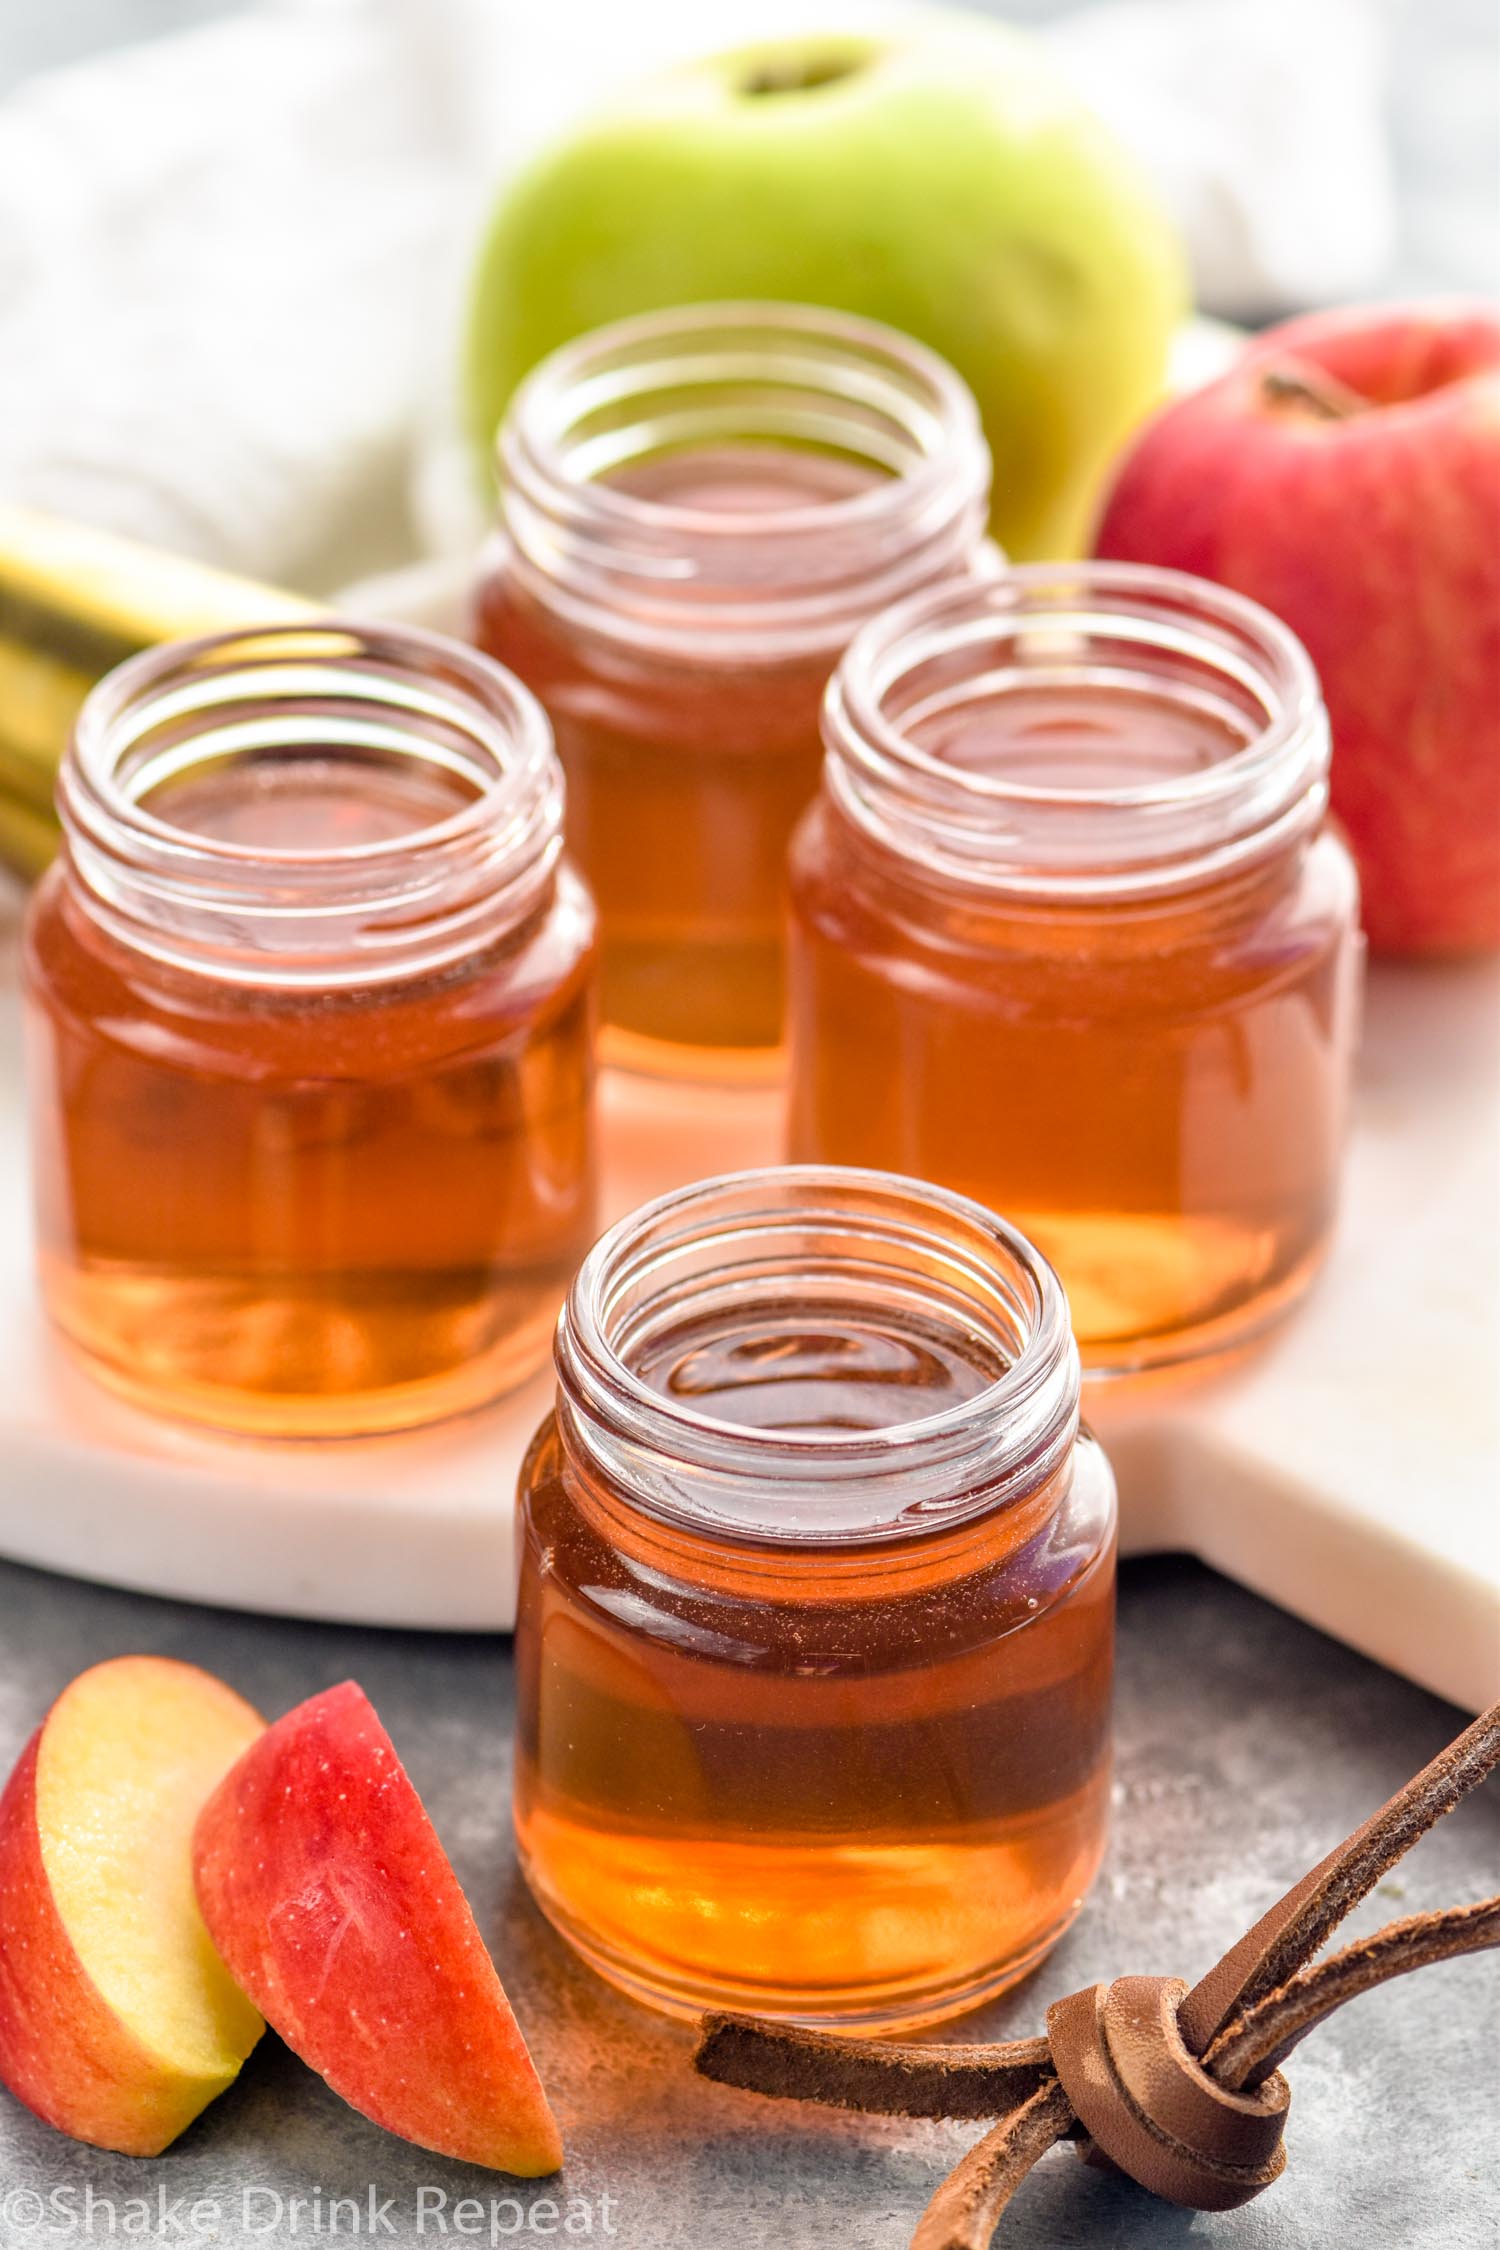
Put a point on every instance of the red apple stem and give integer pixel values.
(1310, 390)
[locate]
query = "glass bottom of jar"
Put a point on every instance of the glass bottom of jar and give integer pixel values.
(642, 1056)
(874, 2009)
(360, 1357)
(1171, 1253)
(679, 999)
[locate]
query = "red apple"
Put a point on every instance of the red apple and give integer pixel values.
(327, 1893)
(117, 2021)
(1346, 473)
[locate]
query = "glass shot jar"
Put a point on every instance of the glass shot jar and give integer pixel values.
(697, 510)
(816, 1606)
(1072, 935)
(309, 1032)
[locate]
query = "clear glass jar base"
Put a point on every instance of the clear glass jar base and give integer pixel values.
(1206, 1348)
(859, 2013)
(122, 1331)
(640, 1056)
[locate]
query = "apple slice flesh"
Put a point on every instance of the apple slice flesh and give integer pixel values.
(118, 2022)
(325, 1889)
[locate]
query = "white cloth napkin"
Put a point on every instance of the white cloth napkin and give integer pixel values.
(231, 262)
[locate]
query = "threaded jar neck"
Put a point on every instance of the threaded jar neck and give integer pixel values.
(1081, 731)
(740, 578)
(800, 1243)
(321, 805)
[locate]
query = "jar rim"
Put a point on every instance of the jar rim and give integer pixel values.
(108, 701)
(962, 1461)
(397, 904)
(981, 826)
(625, 563)
(549, 381)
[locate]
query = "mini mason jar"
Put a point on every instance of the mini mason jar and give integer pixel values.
(309, 1032)
(1072, 934)
(816, 1605)
(697, 510)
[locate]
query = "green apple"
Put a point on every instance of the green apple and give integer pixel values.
(939, 176)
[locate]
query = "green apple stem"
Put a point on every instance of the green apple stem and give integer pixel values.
(794, 71)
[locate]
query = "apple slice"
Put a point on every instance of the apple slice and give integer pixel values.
(118, 2023)
(325, 1888)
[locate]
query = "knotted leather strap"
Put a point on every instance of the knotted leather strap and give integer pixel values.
(1180, 2088)
(1151, 2107)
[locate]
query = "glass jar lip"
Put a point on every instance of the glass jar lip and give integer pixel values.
(496, 692)
(1274, 784)
(548, 383)
(624, 564)
(335, 915)
(1032, 1404)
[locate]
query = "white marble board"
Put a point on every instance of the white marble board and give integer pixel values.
(1350, 1471)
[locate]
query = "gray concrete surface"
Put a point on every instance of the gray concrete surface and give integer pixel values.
(1247, 1745)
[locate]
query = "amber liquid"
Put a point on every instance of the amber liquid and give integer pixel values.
(866, 1786)
(686, 777)
(308, 1213)
(1154, 1092)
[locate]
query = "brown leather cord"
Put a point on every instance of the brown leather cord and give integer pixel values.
(966, 2211)
(1181, 2089)
(1298, 1924)
(1151, 2108)
(898, 2081)
(1261, 2039)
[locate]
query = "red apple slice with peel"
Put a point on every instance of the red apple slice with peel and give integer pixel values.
(118, 2022)
(325, 1889)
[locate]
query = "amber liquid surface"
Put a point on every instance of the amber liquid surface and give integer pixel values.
(867, 1786)
(310, 1213)
(1154, 1092)
(686, 776)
